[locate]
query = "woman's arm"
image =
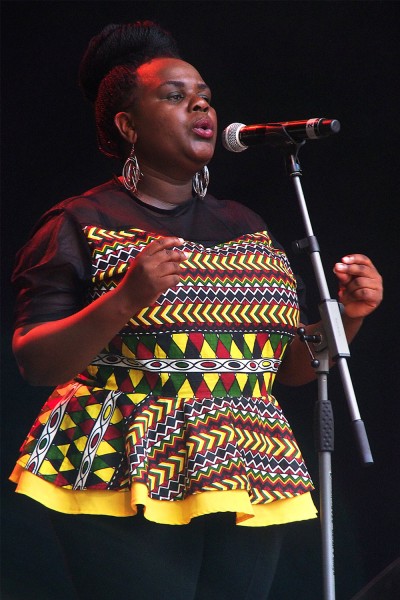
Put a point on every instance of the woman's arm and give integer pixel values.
(360, 292)
(53, 352)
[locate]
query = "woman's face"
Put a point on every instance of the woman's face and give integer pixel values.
(175, 126)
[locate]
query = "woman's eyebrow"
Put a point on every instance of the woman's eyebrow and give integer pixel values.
(200, 86)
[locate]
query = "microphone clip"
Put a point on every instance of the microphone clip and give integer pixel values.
(315, 339)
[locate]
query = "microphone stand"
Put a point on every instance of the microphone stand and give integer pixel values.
(330, 342)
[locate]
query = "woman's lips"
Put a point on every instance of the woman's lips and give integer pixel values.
(204, 128)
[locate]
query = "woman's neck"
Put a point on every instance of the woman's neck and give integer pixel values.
(161, 192)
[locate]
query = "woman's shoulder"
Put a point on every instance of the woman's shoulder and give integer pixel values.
(88, 202)
(92, 207)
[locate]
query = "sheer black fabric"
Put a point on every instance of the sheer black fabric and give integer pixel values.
(53, 269)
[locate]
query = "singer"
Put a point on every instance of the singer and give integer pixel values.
(164, 459)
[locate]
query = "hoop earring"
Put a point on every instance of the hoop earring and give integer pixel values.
(201, 181)
(131, 172)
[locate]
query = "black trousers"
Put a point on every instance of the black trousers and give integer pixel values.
(132, 558)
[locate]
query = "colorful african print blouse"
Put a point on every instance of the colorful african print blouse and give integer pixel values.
(176, 413)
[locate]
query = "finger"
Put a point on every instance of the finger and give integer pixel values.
(360, 259)
(342, 276)
(169, 268)
(346, 271)
(362, 283)
(364, 295)
(164, 250)
(162, 244)
(169, 276)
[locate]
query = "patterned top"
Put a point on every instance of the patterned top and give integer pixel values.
(179, 404)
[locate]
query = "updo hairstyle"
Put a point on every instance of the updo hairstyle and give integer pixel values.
(107, 74)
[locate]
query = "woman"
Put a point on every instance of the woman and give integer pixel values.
(163, 316)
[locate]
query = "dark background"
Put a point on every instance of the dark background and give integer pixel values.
(265, 61)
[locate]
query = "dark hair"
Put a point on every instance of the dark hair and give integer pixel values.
(107, 73)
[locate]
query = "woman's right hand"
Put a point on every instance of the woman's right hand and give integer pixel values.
(155, 269)
(52, 352)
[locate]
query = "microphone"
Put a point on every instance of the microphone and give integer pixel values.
(238, 137)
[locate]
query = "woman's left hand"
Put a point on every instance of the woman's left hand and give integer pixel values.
(360, 285)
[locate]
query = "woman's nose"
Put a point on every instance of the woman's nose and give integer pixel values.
(200, 104)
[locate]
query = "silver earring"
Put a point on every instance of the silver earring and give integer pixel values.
(201, 181)
(131, 172)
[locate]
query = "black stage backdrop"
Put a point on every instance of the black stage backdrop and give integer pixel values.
(265, 61)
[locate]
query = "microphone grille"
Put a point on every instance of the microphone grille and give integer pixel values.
(230, 138)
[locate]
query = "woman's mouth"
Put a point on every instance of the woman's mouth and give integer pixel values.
(204, 128)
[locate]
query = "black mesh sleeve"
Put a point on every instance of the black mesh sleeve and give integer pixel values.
(52, 271)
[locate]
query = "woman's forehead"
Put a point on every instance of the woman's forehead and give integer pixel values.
(163, 70)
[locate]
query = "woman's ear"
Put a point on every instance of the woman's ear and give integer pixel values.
(125, 126)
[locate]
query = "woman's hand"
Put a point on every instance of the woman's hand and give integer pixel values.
(155, 269)
(360, 285)
(360, 292)
(53, 352)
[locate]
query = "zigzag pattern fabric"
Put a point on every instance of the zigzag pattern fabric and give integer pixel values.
(180, 400)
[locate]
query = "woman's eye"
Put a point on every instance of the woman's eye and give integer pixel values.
(176, 97)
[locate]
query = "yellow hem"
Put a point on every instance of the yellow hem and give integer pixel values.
(74, 502)
(179, 512)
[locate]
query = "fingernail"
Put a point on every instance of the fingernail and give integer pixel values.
(181, 240)
(340, 266)
(187, 254)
